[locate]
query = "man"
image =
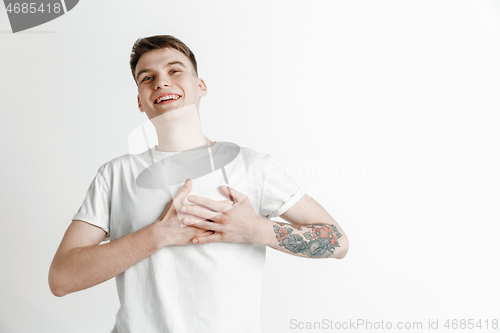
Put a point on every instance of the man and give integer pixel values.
(183, 267)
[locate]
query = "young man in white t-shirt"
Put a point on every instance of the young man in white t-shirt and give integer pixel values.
(186, 264)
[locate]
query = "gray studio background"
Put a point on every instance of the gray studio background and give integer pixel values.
(385, 112)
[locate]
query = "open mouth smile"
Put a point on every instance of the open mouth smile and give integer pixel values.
(164, 99)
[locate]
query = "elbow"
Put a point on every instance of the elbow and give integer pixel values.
(57, 292)
(343, 249)
(56, 287)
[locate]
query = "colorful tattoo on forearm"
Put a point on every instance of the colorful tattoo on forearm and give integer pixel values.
(320, 241)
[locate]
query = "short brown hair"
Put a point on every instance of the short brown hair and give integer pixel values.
(147, 44)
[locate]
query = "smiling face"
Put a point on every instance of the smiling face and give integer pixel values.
(166, 81)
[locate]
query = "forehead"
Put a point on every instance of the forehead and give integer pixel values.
(159, 58)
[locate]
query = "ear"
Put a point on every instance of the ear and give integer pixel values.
(139, 104)
(202, 87)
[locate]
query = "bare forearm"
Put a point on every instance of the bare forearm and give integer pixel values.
(84, 267)
(319, 240)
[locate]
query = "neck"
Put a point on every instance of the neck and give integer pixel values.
(179, 130)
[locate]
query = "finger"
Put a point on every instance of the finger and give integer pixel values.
(205, 225)
(217, 237)
(192, 220)
(199, 211)
(218, 206)
(232, 193)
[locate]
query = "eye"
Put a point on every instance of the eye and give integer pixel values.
(146, 78)
(174, 71)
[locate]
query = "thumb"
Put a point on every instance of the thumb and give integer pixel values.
(184, 191)
(232, 193)
(178, 200)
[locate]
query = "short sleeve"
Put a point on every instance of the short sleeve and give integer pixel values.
(279, 190)
(96, 205)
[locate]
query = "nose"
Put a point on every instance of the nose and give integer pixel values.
(161, 81)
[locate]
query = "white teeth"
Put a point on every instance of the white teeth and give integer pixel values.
(167, 97)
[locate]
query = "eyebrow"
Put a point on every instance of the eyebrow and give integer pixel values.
(147, 70)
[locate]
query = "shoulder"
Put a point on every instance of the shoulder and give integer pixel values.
(252, 156)
(123, 163)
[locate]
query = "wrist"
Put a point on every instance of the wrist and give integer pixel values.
(155, 231)
(261, 233)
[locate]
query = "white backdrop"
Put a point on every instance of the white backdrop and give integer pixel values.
(385, 112)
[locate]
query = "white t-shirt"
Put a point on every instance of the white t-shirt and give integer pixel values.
(214, 287)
